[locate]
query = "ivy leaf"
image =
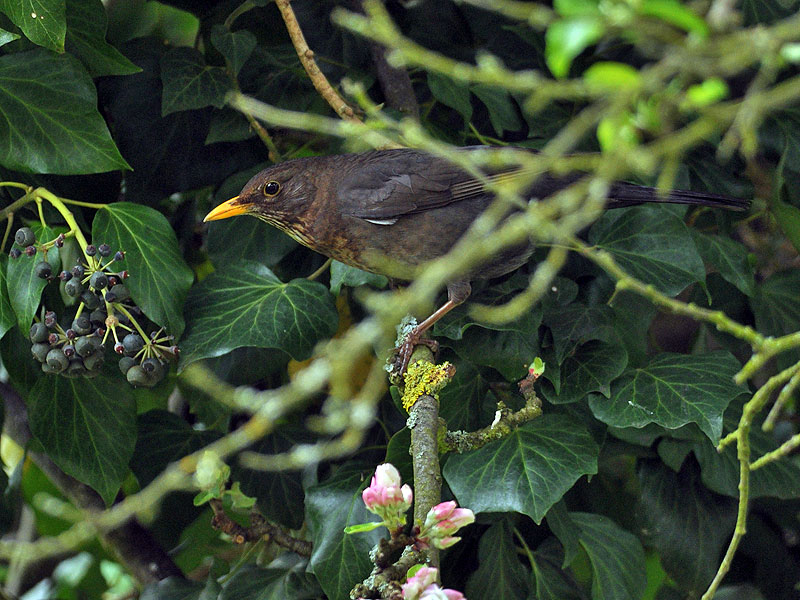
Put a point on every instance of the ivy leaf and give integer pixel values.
(7, 36)
(339, 560)
(685, 521)
(729, 258)
(284, 579)
(50, 122)
(777, 310)
(452, 93)
(247, 305)
(567, 38)
(651, 244)
(231, 239)
(42, 21)
(672, 390)
(500, 574)
(527, 471)
(189, 83)
(86, 35)
(174, 588)
(616, 556)
(8, 317)
(235, 46)
(24, 287)
(159, 277)
(164, 437)
(552, 582)
(279, 494)
(591, 369)
(577, 324)
(342, 274)
(87, 427)
(502, 111)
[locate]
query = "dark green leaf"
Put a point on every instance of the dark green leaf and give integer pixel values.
(500, 574)
(24, 287)
(236, 46)
(159, 277)
(87, 427)
(164, 437)
(729, 258)
(452, 93)
(42, 21)
(591, 369)
(339, 560)
(461, 402)
(50, 122)
(277, 582)
(687, 523)
(616, 556)
(246, 305)
(173, 588)
(228, 125)
(342, 274)
(577, 324)
(560, 523)
(553, 583)
(652, 244)
(86, 35)
(7, 315)
(249, 238)
(279, 494)
(189, 83)
(527, 471)
(672, 390)
(502, 110)
(567, 38)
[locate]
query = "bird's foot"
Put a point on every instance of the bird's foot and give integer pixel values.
(403, 352)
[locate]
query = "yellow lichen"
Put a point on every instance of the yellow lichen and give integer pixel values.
(424, 378)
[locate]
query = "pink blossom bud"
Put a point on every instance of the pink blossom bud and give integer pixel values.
(386, 497)
(434, 592)
(423, 578)
(441, 522)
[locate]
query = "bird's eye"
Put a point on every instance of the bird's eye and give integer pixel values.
(271, 188)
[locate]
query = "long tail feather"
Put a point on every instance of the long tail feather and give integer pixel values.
(628, 194)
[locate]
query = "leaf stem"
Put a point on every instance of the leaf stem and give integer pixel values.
(9, 222)
(59, 205)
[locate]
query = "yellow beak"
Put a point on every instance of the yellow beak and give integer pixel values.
(231, 208)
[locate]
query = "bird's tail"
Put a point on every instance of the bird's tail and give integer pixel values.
(628, 194)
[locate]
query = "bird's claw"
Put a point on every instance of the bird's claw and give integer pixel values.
(403, 353)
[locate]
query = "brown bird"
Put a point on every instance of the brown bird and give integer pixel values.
(390, 211)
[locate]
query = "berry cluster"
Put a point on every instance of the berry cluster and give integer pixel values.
(104, 310)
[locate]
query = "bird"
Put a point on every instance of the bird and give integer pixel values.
(391, 211)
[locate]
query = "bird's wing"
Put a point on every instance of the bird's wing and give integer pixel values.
(389, 184)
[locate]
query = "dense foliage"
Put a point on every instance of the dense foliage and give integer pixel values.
(667, 333)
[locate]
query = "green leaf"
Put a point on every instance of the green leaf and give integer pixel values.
(159, 278)
(247, 305)
(362, 527)
(560, 523)
(527, 471)
(228, 125)
(232, 239)
(566, 39)
(339, 560)
(502, 111)
(86, 36)
(279, 494)
(461, 402)
(7, 36)
(342, 274)
(8, 317)
(50, 122)
(729, 258)
(189, 83)
(776, 309)
(685, 521)
(452, 93)
(709, 92)
(284, 579)
(173, 588)
(553, 583)
(500, 574)
(87, 427)
(788, 218)
(616, 556)
(164, 437)
(42, 21)
(675, 13)
(672, 390)
(576, 8)
(651, 244)
(591, 369)
(24, 287)
(577, 324)
(609, 76)
(236, 46)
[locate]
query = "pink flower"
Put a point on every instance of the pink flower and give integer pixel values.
(386, 497)
(423, 586)
(441, 522)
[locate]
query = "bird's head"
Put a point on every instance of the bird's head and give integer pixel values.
(279, 195)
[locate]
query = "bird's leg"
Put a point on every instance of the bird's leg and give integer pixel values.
(457, 293)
